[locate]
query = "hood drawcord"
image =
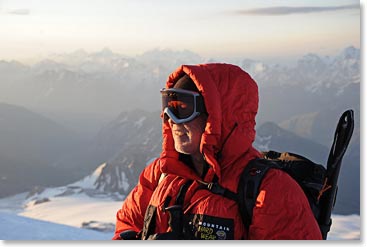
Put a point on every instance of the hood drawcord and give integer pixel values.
(218, 155)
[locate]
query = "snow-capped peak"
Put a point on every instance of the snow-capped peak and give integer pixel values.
(89, 181)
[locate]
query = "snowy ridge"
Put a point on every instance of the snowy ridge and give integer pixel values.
(90, 181)
(50, 81)
(312, 72)
(82, 204)
(94, 185)
(79, 204)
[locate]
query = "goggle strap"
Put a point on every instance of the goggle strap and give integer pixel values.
(200, 106)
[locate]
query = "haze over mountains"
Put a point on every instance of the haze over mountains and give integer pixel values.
(33, 150)
(65, 116)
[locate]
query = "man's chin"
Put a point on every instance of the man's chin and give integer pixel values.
(183, 149)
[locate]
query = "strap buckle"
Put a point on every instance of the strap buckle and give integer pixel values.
(216, 188)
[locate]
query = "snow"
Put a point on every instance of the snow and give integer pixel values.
(73, 210)
(77, 205)
(15, 227)
(345, 227)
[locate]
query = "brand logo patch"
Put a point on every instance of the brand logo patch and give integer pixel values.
(211, 228)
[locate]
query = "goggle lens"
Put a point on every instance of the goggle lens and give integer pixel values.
(181, 105)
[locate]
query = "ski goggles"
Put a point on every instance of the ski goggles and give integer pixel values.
(181, 105)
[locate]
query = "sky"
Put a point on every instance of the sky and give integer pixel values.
(212, 28)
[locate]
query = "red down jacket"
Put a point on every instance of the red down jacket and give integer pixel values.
(231, 98)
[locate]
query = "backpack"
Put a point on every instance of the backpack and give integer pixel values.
(309, 175)
(317, 182)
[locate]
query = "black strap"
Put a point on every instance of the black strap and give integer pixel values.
(217, 189)
(175, 217)
(182, 193)
(249, 186)
(149, 222)
(129, 235)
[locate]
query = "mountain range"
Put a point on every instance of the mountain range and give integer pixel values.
(98, 86)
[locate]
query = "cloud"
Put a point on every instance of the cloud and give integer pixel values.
(19, 12)
(284, 10)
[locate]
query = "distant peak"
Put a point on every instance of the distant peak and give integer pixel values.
(351, 53)
(106, 51)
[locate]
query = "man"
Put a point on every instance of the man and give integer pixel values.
(208, 129)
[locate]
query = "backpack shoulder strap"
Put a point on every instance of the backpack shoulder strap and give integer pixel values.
(249, 185)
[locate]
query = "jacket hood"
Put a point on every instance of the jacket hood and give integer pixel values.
(231, 100)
